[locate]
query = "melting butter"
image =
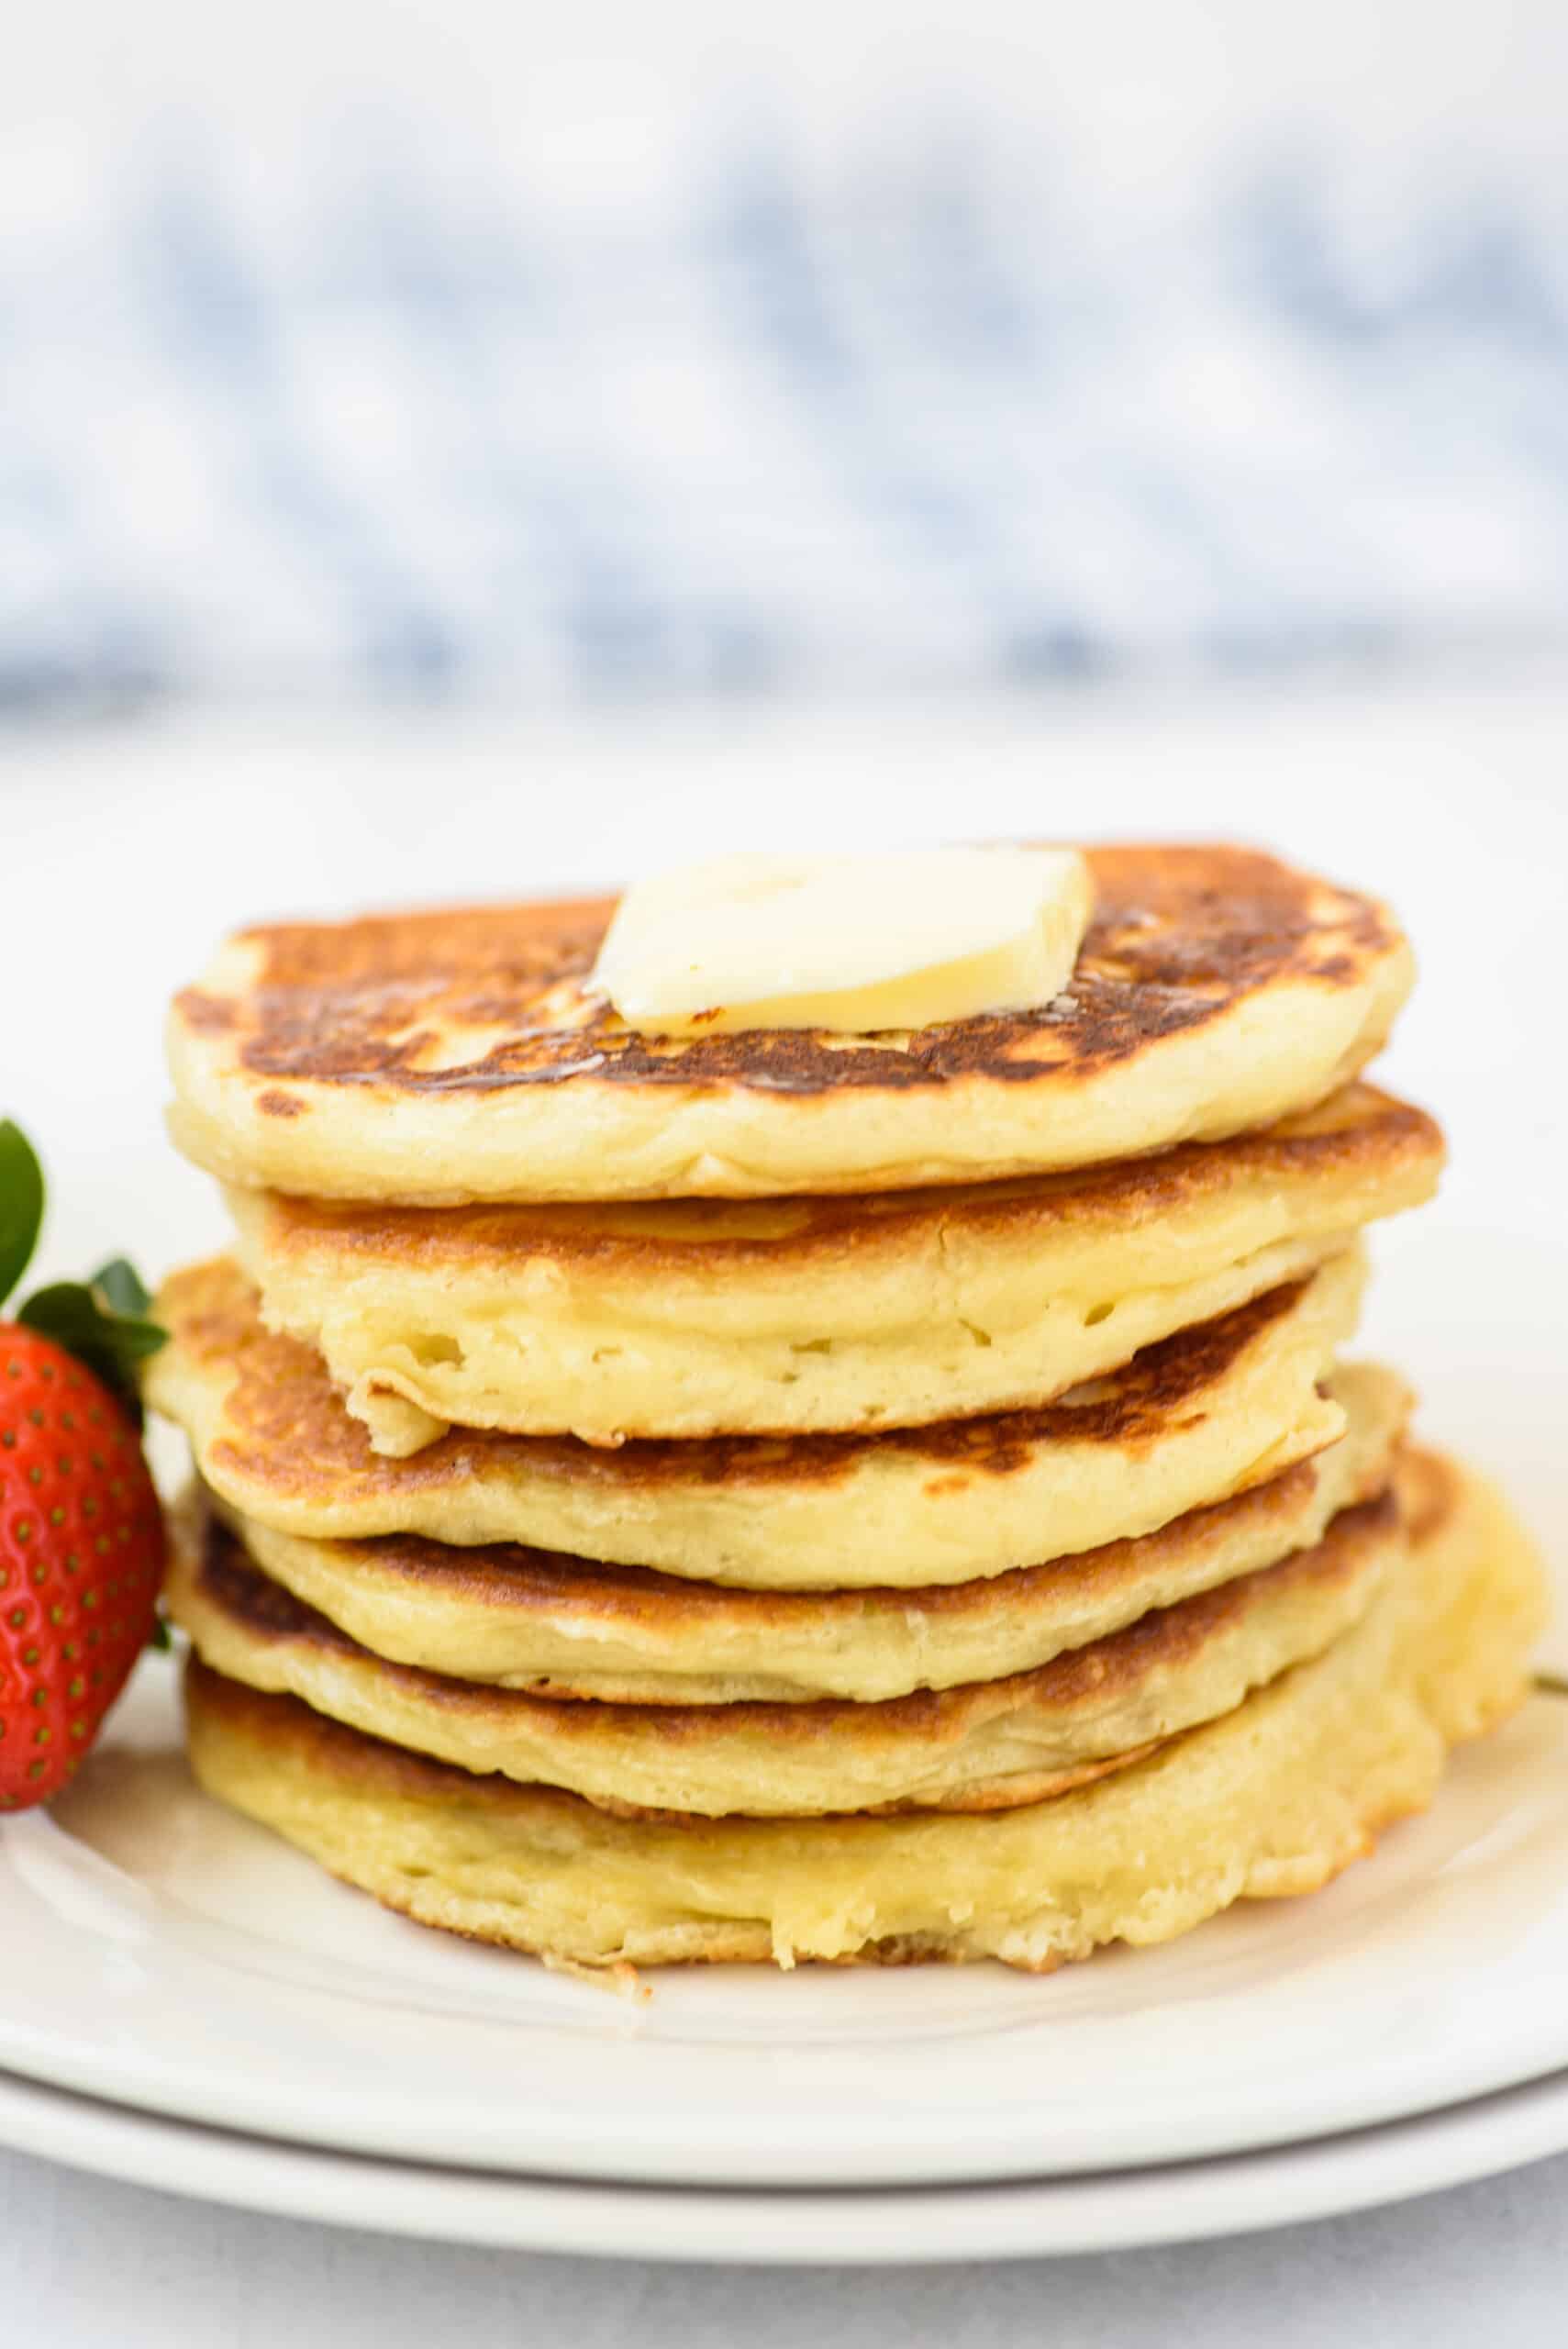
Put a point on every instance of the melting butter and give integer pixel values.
(906, 939)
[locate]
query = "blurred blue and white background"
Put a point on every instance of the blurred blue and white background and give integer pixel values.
(467, 449)
(480, 353)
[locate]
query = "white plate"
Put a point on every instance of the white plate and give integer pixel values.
(161, 1952)
(1022, 2219)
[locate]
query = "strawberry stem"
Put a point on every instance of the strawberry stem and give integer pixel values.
(110, 1344)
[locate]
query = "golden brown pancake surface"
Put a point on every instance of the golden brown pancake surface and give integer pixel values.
(562, 1626)
(693, 1318)
(1204, 1413)
(1270, 1799)
(460, 1055)
(980, 1747)
(1361, 1136)
(1179, 933)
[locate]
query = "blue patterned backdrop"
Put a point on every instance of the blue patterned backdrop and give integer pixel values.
(376, 411)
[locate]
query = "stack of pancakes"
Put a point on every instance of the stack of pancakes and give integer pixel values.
(787, 1494)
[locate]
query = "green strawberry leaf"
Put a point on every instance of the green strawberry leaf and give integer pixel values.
(160, 1639)
(104, 1321)
(109, 1344)
(122, 1289)
(21, 1204)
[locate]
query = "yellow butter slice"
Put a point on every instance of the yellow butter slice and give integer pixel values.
(906, 939)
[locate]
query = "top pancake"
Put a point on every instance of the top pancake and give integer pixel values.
(451, 1056)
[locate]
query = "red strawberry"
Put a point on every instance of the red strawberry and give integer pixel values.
(80, 1531)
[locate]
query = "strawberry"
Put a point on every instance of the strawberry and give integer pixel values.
(80, 1531)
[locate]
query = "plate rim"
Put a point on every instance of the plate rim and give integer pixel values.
(976, 2150)
(1224, 2195)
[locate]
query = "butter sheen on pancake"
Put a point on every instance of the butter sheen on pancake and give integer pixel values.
(984, 1746)
(1271, 1799)
(693, 1318)
(445, 1057)
(1205, 1413)
(561, 1626)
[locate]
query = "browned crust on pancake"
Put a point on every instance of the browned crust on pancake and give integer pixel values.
(1017, 1792)
(513, 1576)
(206, 1015)
(350, 1756)
(355, 1761)
(286, 1428)
(272, 1725)
(1160, 1640)
(353, 1758)
(1429, 1486)
(1180, 934)
(1360, 1134)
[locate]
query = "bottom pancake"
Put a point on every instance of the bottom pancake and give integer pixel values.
(1273, 1797)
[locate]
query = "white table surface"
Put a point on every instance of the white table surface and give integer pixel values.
(143, 844)
(86, 2265)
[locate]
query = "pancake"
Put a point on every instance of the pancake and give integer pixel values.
(443, 1057)
(695, 1318)
(1273, 1797)
(989, 1746)
(1205, 1414)
(560, 1626)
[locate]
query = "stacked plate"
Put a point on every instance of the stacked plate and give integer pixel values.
(189, 2003)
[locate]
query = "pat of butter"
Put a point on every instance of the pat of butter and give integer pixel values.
(904, 939)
